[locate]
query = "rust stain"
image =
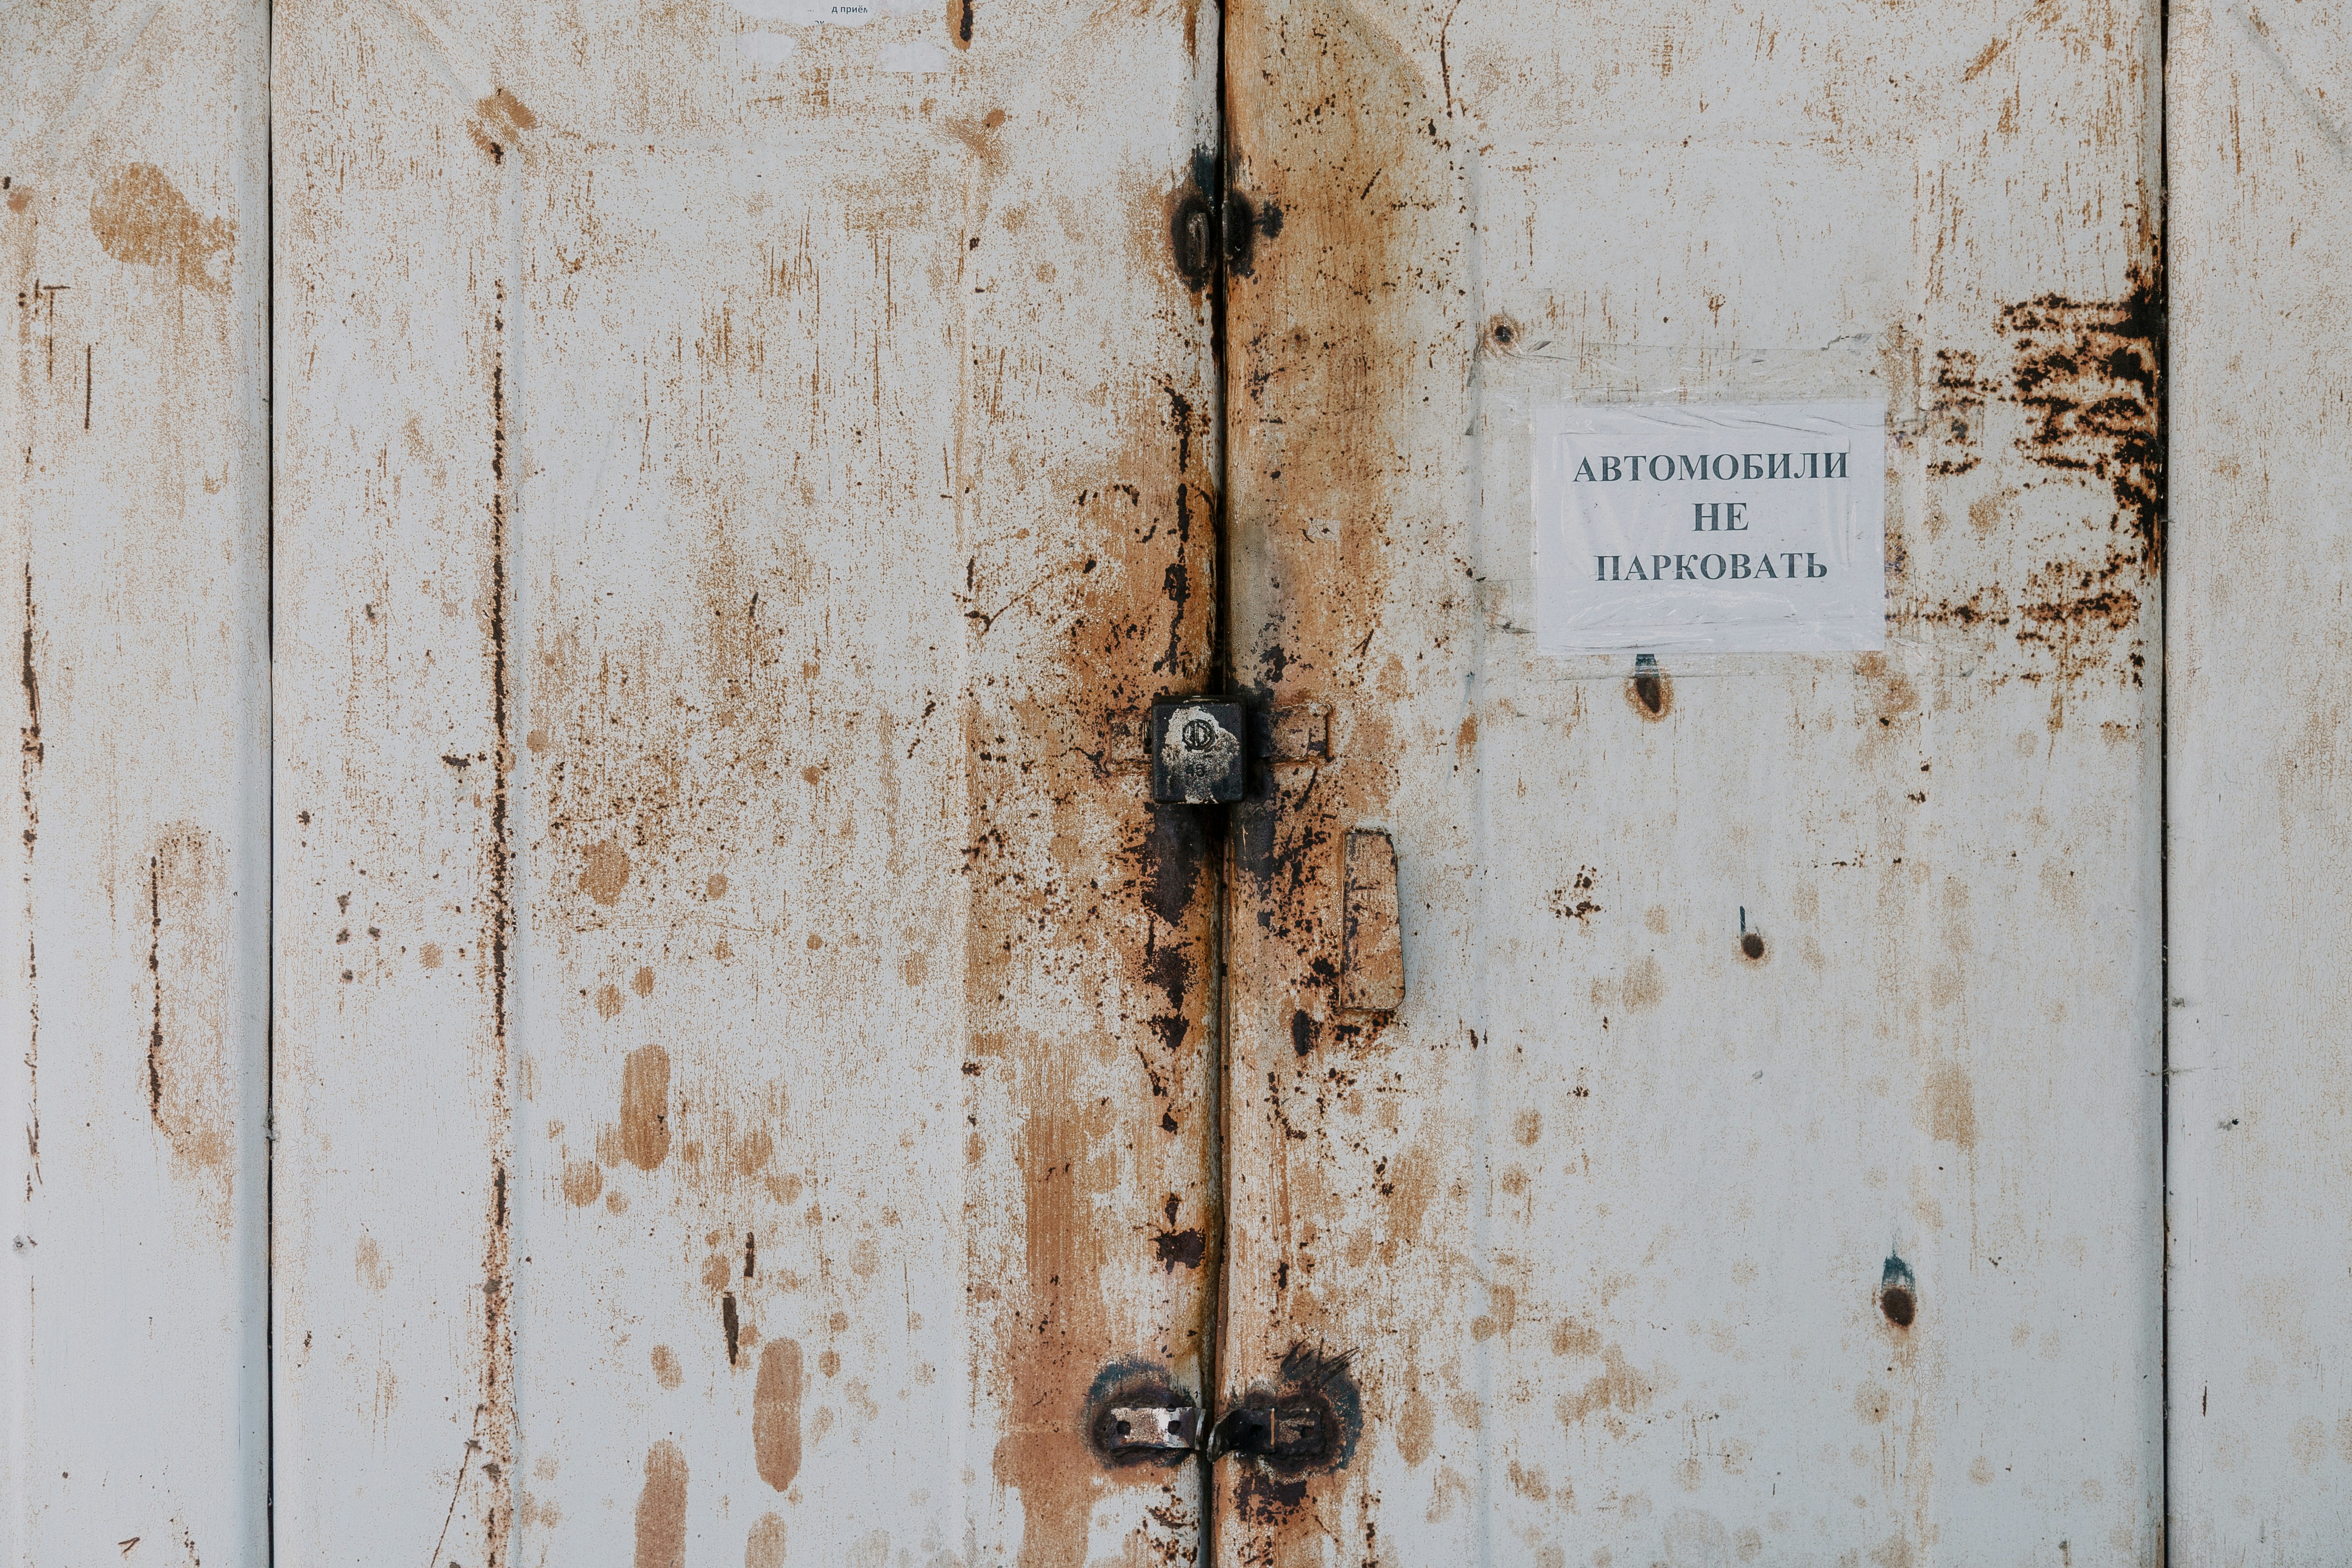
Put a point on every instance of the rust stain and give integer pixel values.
(504, 109)
(2089, 370)
(140, 217)
(960, 23)
(1651, 695)
(1948, 1106)
(429, 955)
(642, 983)
(666, 1371)
(764, 1547)
(1955, 423)
(188, 1085)
(605, 871)
(1617, 1388)
(1898, 1298)
(1416, 1427)
(583, 1180)
(661, 1510)
(367, 1264)
(1571, 1337)
(1574, 903)
(776, 1413)
(20, 198)
(609, 1001)
(496, 122)
(1642, 987)
(645, 1106)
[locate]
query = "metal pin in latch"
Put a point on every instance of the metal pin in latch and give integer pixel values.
(1286, 1430)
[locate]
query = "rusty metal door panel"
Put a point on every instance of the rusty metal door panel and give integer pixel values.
(744, 1058)
(2260, 1206)
(134, 218)
(1762, 1161)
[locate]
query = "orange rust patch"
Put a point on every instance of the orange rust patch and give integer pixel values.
(2088, 370)
(754, 1152)
(429, 955)
(764, 1548)
(367, 1264)
(1948, 1106)
(661, 1510)
(141, 218)
(1650, 695)
(19, 199)
(645, 1106)
(605, 871)
(1569, 1337)
(1416, 1427)
(643, 984)
(582, 1180)
(498, 120)
(503, 108)
(1618, 1387)
(776, 1413)
(608, 1001)
(188, 1082)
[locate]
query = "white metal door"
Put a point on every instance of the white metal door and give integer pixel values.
(657, 682)
(134, 607)
(741, 1051)
(2260, 1208)
(1761, 1160)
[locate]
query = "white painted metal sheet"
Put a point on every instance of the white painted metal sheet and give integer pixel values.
(1763, 1162)
(134, 221)
(743, 1060)
(2261, 1209)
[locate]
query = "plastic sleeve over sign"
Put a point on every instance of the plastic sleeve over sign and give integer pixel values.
(1723, 528)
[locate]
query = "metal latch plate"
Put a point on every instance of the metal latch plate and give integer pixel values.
(1197, 754)
(1134, 1426)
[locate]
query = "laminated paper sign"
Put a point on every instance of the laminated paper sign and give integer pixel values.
(1712, 528)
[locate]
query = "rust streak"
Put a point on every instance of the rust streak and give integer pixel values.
(776, 1413)
(661, 1510)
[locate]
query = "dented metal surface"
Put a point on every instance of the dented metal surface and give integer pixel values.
(2259, 792)
(133, 1386)
(744, 1025)
(1761, 1162)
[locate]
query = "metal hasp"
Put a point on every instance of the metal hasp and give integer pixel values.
(1139, 1427)
(1197, 754)
(1291, 1430)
